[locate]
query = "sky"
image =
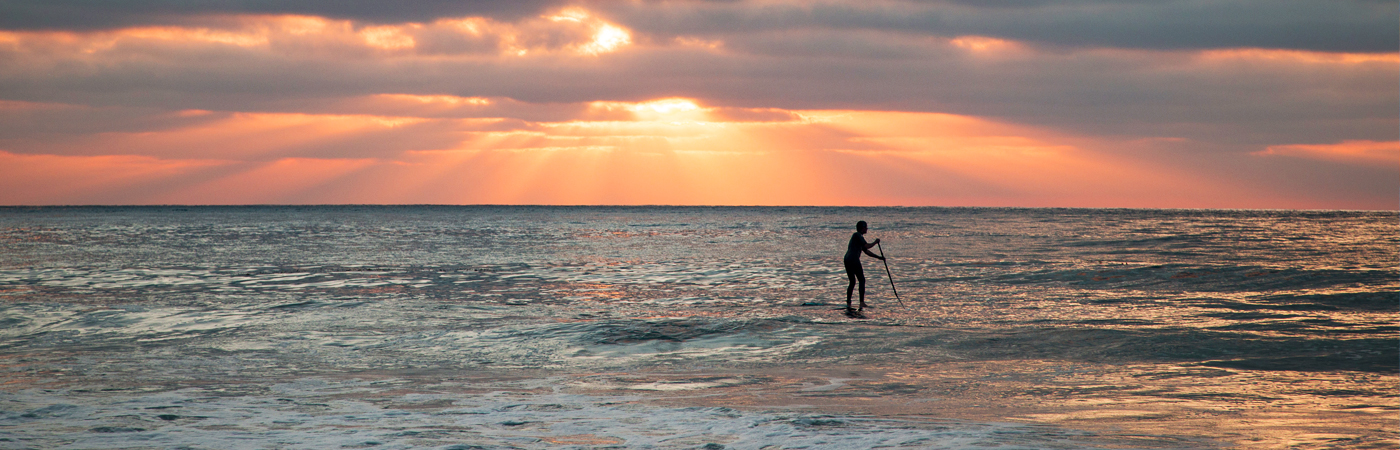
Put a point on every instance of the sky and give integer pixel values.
(1255, 104)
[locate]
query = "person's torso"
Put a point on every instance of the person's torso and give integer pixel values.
(855, 247)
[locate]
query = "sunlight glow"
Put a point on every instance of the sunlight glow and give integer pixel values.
(666, 106)
(981, 44)
(608, 39)
(387, 37)
(447, 99)
(672, 109)
(663, 151)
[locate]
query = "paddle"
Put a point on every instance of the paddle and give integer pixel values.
(887, 273)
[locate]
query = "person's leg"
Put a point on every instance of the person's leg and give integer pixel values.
(860, 275)
(851, 277)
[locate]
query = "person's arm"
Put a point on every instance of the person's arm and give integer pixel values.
(872, 245)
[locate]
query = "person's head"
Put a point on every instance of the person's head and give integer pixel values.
(860, 227)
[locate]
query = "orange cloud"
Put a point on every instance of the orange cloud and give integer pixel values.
(1354, 152)
(243, 136)
(982, 45)
(572, 31)
(1298, 56)
(437, 99)
(606, 37)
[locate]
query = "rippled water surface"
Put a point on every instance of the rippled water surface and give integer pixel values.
(654, 327)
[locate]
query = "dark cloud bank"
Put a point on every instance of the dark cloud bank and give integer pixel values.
(96, 15)
(1323, 25)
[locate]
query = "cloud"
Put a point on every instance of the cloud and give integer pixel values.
(86, 15)
(258, 137)
(297, 64)
(941, 102)
(1355, 152)
(1332, 25)
(1337, 26)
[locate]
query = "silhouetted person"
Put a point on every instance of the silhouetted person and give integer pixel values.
(854, 272)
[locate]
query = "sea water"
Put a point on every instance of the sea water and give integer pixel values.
(695, 327)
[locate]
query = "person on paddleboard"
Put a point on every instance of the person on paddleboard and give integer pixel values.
(854, 272)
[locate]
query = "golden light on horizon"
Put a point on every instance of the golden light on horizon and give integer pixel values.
(664, 151)
(654, 158)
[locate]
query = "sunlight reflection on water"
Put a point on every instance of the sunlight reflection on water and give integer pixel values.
(1250, 328)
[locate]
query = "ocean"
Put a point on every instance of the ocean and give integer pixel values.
(501, 327)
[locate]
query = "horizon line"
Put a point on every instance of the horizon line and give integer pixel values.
(306, 205)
